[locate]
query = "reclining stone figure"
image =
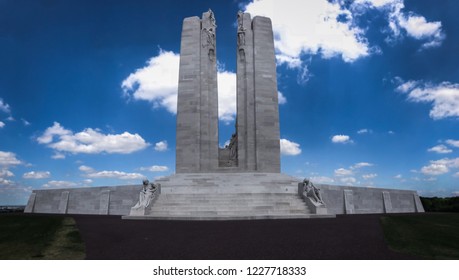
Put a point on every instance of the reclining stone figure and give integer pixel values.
(311, 191)
(146, 195)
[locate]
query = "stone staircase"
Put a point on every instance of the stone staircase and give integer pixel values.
(228, 196)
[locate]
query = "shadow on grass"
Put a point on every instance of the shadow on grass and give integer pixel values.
(429, 236)
(39, 237)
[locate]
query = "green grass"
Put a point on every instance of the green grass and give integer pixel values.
(39, 238)
(429, 236)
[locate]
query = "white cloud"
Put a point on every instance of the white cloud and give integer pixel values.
(116, 174)
(281, 98)
(25, 122)
(5, 182)
(414, 25)
(58, 156)
(157, 83)
(91, 141)
(369, 176)
(435, 169)
(344, 139)
(155, 168)
(454, 143)
(5, 173)
(161, 146)
(59, 184)
(86, 169)
(2, 124)
(311, 27)
(444, 97)
(440, 149)
(348, 180)
(398, 176)
(4, 107)
(289, 148)
(322, 180)
(36, 175)
(364, 131)
(90, 172)
(226, 96)
(8, 159)
(340, 172)
(361, 164)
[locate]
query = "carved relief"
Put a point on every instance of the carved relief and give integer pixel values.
(240, 30)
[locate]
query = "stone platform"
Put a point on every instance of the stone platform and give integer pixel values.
(224, 196)
(228, 196)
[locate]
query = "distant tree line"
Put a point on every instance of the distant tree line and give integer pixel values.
(440, 204)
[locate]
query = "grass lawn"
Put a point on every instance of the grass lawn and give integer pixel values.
(429, 236)
(39, 238)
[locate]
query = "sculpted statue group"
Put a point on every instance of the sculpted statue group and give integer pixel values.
(146, 195)
(311, 191)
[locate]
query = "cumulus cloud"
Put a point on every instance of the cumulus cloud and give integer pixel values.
(453, 143)
(226, 96)
(289, 148)
(440, 149)
(90, 172)
(161, 146)
(348, 180)
(157, 83)
(435, 169)
(155, 168)
(311, 30)
(364, 131)
(444, 97)
(340, 172)
(441, 166)
(2, 124)
(6, 173)
(401, 22)
(361, 164)
(90, 141)
(58, 156)
(322, 180)
(36, 175)
(59, 184)
(369, 176)
(4, 107)
(343, 139)
(281, 98)
(8, 159)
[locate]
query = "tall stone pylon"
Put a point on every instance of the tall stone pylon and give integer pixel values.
(197, 101)
(257, 123)
(257, 102)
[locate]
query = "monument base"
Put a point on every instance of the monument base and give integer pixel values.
(224, 196)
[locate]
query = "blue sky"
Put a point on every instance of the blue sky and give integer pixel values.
(369, 91)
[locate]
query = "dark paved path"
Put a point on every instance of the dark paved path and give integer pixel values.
(346, 237)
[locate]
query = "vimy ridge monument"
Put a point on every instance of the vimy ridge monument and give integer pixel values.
(240, 181)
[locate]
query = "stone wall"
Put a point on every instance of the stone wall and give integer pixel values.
(96, 200)
(360, 200)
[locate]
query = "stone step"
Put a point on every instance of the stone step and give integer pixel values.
(228, 217)
(226, 207)
(226, 213)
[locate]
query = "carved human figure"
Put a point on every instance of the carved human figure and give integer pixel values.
(146, 195)
(233, 147)
(240, 29)
(312, 191)
(212, 18)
